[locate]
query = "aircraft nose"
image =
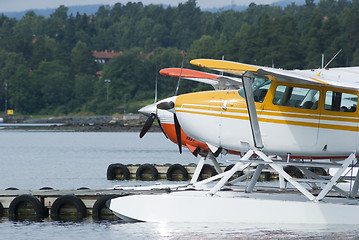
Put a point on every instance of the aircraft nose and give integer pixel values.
(147, 110)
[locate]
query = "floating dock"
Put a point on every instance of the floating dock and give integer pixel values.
(62, 205)
(174, 172)
(82, 203)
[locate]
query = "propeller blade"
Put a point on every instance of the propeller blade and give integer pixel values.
(165, 105)
(159, 123)
(148, 124)
(178, 133)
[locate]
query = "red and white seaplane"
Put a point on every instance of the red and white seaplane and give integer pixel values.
(169, 124)
(301, 118)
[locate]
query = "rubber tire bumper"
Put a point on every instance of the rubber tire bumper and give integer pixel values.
(175, 167)
(147, 167)
(68, 199)
(293, 171)
(1, 210)
(99, 204)
(113, 169)
(207, 168)
(318, 170)
(39, 209)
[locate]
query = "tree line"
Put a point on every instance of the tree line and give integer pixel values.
(47, 65)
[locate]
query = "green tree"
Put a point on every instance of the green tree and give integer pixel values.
(56, 84)
(246, 39)
(351, 31)
(311, 42)
(57, 23)
(83, 88)
(285, 47)
(9, 63)
(43, 49)
(24, 91)
(202, 48)
(82, 60)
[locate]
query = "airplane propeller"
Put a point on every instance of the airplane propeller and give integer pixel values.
(168, 106)
(148, 124)
(178, 133)
(151, 112)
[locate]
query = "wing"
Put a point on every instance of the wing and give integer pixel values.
(338, 77)
(218, 82)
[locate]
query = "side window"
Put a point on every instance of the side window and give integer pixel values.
(260, 88)
(340, 101)
(296, 97)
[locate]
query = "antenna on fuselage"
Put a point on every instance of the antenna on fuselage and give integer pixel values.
(326, 65)
(332, 58)
(156, 85)
(222, 60)
(179, 78)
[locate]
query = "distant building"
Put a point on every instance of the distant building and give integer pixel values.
(105, 56)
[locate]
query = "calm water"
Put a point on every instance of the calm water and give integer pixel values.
(69, 160)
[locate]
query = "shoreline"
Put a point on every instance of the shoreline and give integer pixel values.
(116, 123)
(104, 127)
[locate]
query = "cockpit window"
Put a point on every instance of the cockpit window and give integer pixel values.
(260, 88)
(296, 97)
(341, 102)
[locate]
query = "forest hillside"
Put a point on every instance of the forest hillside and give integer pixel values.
(47, 64)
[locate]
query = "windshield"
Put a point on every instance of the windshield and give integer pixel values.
(260, 88)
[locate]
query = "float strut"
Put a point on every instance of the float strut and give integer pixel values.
(337, 175)
(228, 174)
(215, 163)
(255, 177)
(354, 191)
(198, 170)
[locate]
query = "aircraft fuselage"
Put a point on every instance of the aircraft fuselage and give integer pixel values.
(302, 120)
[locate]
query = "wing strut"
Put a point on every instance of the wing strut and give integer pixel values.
(248, 79)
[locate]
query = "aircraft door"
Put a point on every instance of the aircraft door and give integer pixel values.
(338, 129)
(290, 119)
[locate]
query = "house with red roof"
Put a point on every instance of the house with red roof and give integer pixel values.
(105, 56)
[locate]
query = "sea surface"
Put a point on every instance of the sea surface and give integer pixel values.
(70, 160)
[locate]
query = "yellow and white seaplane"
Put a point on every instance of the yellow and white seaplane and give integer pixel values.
(301, 118)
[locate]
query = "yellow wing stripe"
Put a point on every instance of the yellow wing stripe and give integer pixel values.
(220, 64)
(317, 80)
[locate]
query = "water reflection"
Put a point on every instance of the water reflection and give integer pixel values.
(69, 160)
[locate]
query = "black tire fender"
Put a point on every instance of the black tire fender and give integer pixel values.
(318, 170)
(293, 171)
(207, 168)
(1, 210)
(100, 204)
(39, 209)
(175, 167)
(229, 167)
(68, 199)
(113, 169)
(147, 167)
